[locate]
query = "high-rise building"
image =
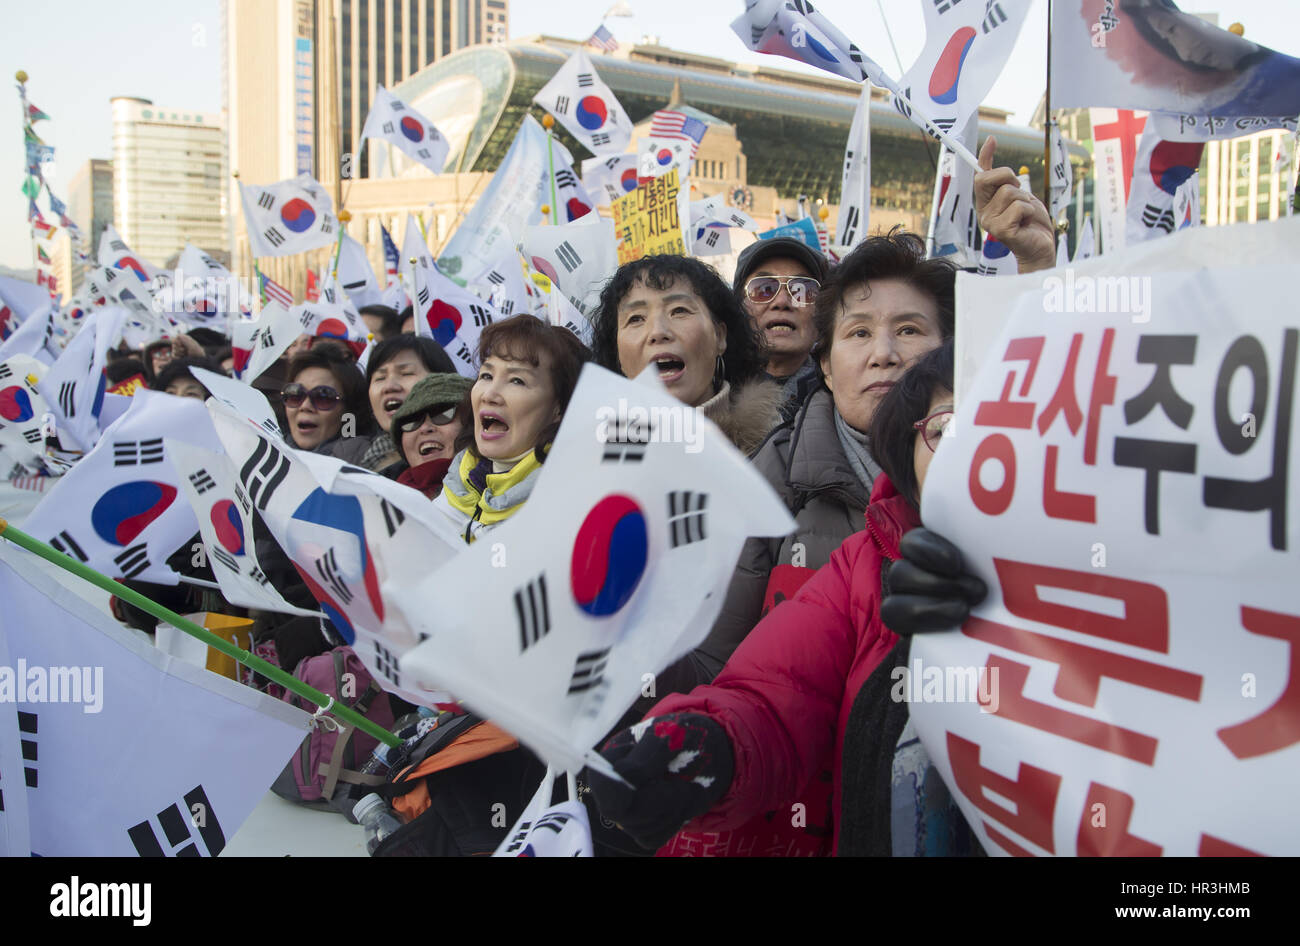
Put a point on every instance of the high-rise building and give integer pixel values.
(90, 205)
(298, 77)
(168, 178)
(1248, 178)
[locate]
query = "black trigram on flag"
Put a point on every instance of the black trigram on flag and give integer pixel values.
(711, 238)
(27, 741)
(266, 201)
(5, 372)
(585, 80)
(686, 517)
(393, 517)
(424, 153)
(202, 482)
(118, 245)
(993, 16)
(943, 6)
(1157, 219)
(626, 443)
(178, 827)
(533, 612)
(262, 481)
(481, 315)
(327, 566)
(225, 558)
(133, 560)
(850, 228)
(386, 663)
(268, 340)
(588, 671)
(396, 106)
(564, 178)
(307, 317)
(568, 256)
(67, 397)
(756, 35)
(422, 297)
(258, 576)
(495, 278)
(273, 236)
(65, 543)
(137, 452)
(464, 354)
(600, 138)
(387, 128)
(562, 104)
(32, 435)
(352, 287)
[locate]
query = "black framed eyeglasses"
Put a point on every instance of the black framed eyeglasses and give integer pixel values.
(803, 289)
(323, 398)
(933, 428)
(440, 418)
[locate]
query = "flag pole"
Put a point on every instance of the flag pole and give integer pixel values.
(252, 661)
(1047, 119)
(548, 122)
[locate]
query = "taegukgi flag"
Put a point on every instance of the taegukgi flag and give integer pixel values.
(127, 752)
(451, 316)
(288, 217)
(609, 178)
(855, 186)
(585, 106)
(392, 120)
(616, 566)
(74, 386)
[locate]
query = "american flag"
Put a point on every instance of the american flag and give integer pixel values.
(670, 124)
(271, 289)
(603, 39)
(391, 259)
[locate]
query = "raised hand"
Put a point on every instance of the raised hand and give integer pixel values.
(1013, 215)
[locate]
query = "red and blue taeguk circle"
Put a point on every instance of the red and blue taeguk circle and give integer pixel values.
(133, 264)
(609, 556)
(126, 510)
(664, 157)
(332, 328)
(628, 180)
(229, 527)
(591, 112)
(444, 322)
(576, 208)
(947, 71)
(412, 129)
(297, 215)
(995, 249)
(15, 405)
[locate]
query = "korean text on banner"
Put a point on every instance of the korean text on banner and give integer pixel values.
(1123, 486)
(647, 221)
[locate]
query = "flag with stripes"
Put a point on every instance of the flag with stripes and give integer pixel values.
(603, 40)
(617, 565)
(391, 259)
(272, 291)
(672, 124)
(144, 755)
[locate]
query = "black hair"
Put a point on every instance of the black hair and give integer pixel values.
(429, 352)
(179, 368)
(897, 254)
(524, 338)
(391, 322)
(209, 338)
(123, 367)
(745, 357)
(893, 435)
(338, 361)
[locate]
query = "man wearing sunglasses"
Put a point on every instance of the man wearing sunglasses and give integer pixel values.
(777, 282)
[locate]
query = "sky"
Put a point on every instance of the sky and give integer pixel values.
(77, 59)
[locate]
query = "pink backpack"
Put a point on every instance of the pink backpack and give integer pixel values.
(329, 756)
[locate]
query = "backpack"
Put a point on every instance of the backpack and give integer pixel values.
(333, 752)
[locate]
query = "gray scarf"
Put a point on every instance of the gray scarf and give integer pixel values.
(858, 452)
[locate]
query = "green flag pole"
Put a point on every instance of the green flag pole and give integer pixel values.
(252, 661)
(548, 121)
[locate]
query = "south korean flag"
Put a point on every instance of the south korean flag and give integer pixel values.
(394, 121)
(616, 566)
(608, 179)
(586, 107)
(22, 412)
(116, 255)
(505, 288)
(288, 217)
(450, 315)
(658, 156)
(75, 384)
(578, 257)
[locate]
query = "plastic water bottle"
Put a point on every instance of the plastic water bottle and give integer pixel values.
(378, 820)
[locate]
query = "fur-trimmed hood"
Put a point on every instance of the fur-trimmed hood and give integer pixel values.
(748, 415)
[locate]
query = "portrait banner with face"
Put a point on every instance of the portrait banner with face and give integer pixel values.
(1123, 486)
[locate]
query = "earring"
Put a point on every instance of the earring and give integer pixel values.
(719, 372)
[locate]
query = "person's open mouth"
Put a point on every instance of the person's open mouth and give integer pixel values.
(493, 426)
(670, 367)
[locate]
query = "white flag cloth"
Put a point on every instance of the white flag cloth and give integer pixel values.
(955, 231)
(966, 47)
(1159, 171)
(510, 202)
(617, 565)
(571, 198)
(855, 185)
(795, 30)
(578, 257)
(560, 311)
(711, 240)
(256, 345)
(203, 293)
(1062, 250)
(608, 179)
(120, 509)
(348, 534)
(356, 275)
(1062, 181)
(226, 527)
(1204, 81)
(22, 299)
(506, 289)
(1187, 203)
(450, 315)
(34, 337)
(714, 211)
(74, 386)
(115, 254)
(546, 830)
(15, 834)
(392, 120)
(118, 286)
(996, 259)
(243, 399)
(130, 752)
(288, 217)
(586, 107)
(658, 156)
(22, 412)
(1086, 247)
(340, 323)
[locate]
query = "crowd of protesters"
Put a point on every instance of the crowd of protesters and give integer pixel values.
(836, 381)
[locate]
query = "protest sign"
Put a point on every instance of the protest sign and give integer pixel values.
(649, 220)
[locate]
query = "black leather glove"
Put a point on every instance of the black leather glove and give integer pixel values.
(928, 589)
(679, 766)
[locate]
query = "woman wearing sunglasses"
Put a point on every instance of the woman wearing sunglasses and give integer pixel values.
(811, 686)
(325, 403)
(426, 427)
(676, 313)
